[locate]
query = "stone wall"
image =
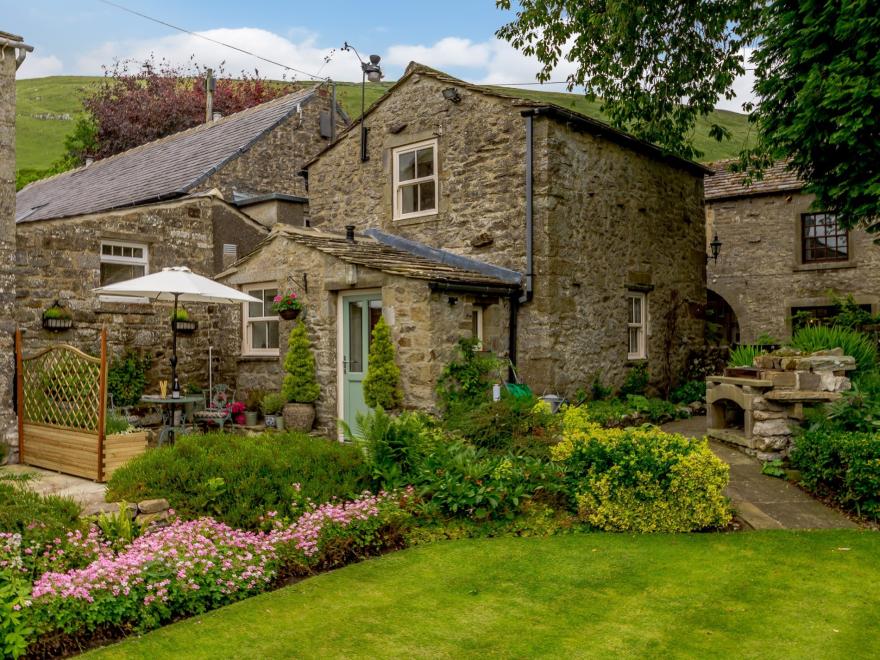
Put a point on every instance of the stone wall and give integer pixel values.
(605, 217)
(274, 162)
(60, 260)
(424, 325)
(7, 245)
(760, 273)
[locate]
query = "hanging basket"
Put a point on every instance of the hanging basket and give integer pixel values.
(184, 327)
(289, 314)
(56, 324)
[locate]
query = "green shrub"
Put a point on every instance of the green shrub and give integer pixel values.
(508, 425)
(640, 479)
(237, 479)
(636, 381)
(849, 314)
(855, 344)
(272, 403)
(115, 423)
(744, 355)
(614, 412)
(127, 378)
(300, 385)
(693, 390)
(382, 383)
(466, 382)
(844, 465)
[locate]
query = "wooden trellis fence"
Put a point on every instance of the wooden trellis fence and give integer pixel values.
(62, 410)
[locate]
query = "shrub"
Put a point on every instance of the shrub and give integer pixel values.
(299, 385)
(855, 344)
(744, 355)
(636, 381)
(617, 412)
(693, 390)
(272, 403)
(641, 480)
(127, 378)
(844, 465)
(115, 423)
(382, 383)
(237, 478)
(519, 425)
(467, 380)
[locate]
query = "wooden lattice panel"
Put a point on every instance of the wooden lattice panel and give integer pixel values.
(61, 386)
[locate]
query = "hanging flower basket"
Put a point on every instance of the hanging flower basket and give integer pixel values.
(287, 305)
(289, 314)
(57, 318)
(185, 327)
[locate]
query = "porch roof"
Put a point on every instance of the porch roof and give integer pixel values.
(368, 252)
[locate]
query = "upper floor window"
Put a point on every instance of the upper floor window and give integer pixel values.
(122, 261)
(415, 180)
(637, 326)
(822, 238)
(260, 322)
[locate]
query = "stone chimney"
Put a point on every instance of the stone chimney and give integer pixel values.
(12, 53)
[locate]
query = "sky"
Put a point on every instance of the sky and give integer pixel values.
(78, 37)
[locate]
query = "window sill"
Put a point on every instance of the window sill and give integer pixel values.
(258, 358)
(826, 265)
(416, 220)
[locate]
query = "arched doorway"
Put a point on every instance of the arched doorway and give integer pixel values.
(722, 326)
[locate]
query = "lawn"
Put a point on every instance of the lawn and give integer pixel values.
(759, 594)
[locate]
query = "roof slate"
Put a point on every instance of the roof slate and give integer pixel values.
(158, 170)
(370, 253)
(725, 184)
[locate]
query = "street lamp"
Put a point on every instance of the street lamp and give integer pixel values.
(370, 71)
(715, 245)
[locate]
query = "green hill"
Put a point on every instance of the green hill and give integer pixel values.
(47, 109)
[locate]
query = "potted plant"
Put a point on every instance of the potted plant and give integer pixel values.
(272, 405)
(237, 410)
(287, 305)
(182, 322)
(300, 388)
(57, 318)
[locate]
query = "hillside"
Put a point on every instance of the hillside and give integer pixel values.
(48, 108)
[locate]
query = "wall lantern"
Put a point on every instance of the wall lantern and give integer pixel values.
(715, 246)
(451, 94)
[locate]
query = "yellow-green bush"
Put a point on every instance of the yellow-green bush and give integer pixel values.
(640, 479)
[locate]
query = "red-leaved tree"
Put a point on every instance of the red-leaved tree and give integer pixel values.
(136, 103)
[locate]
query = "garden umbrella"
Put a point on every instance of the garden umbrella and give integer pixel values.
(177, 283)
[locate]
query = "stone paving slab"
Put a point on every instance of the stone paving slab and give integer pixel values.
(764, 502)
(46, 482)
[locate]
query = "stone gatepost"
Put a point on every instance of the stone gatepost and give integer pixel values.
(12, 54)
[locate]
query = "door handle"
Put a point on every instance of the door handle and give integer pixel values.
(344, 366)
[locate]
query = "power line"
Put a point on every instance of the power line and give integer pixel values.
(215, 41)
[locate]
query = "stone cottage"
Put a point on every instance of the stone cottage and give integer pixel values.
(181, 200)
(780, 258)
(604, 235)
(12, 53)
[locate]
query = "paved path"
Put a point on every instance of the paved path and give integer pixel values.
(764, 502)
(46, 482)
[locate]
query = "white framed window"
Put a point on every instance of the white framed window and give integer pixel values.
(120, 261)
(637, 325)
(415, 180)
(477, 326)
(259, 322)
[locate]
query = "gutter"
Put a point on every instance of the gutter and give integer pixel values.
(20, 46)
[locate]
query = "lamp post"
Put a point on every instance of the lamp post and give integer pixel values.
(370, 71)
(715, 246)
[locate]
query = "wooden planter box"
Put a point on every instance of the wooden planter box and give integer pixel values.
(76, 452)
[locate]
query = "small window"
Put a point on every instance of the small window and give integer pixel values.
(415, 180)
(822, 238)
(122, 261)
(260, 322)
(637, 326)
(477, 326)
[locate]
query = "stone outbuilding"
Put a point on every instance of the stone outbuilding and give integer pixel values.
(781, 259)
(604, 233)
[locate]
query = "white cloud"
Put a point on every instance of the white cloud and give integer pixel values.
(449, 52)
(38, 66)
(742, 86)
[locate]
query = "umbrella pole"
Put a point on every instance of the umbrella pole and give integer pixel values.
(175, 386)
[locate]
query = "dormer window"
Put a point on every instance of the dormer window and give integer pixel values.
(415, 180)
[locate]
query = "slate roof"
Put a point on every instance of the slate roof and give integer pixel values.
(163, 169)
(725, 184)
(367, 251)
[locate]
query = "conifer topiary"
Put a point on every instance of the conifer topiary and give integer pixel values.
(299, 385)
(382, 382)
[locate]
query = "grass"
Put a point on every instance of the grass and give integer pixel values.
(746, 595)
(40, 142)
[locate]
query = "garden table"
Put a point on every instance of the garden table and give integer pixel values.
(169, 406)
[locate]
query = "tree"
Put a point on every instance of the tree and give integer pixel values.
(382, 382)
(300, 385)
(659, 66)
(131, 107)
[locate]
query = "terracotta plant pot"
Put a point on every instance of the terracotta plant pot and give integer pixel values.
(299, 416)
(289, 314)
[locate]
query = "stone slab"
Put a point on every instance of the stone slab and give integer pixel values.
(750, 382)
(801, 396)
